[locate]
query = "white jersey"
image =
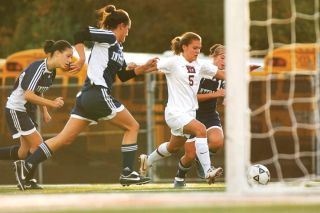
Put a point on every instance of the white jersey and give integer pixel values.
(183, 80)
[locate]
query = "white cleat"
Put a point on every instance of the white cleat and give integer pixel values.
(213, 173)
(143, 165)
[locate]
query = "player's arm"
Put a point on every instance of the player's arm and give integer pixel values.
(217, 94)
(31, 97)
(45, 114)
(128, 72)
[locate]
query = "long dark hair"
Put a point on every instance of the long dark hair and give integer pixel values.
(51, 46)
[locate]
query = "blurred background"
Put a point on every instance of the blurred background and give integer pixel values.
(95, 155)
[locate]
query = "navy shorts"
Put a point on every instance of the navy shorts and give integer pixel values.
(20, 123)
(95, 104)
(211, 119)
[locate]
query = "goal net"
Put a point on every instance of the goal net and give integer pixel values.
(272, 114)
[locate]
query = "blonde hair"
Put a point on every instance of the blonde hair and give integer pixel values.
(184, 39)
(216, 50)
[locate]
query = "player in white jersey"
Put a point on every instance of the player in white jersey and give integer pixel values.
(27, 93)
(183, 73)
(94, 102)
(209, 91)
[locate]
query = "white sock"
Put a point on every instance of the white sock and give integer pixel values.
(158, 154)
(202, 151)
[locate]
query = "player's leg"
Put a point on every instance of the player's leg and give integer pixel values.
(124, 120)
(44, 151)
(199, 130)
(29, 143)
(185, 163)
(163, 151)
(215, 142)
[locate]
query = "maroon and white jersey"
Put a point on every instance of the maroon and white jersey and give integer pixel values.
(183, 80)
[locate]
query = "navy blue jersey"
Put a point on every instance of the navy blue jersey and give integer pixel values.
(37, 78)
(106, 58)
(209, 86)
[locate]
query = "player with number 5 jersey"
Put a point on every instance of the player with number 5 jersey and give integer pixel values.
(183, 73)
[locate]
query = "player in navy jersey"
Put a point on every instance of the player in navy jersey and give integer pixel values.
(94, 102)
(27, 93)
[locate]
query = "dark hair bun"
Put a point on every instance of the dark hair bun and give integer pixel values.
(48, 46)
(110, 8)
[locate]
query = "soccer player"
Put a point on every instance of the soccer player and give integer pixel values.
(209, 91)
(27, 93)
(94, 102)
(183, 73)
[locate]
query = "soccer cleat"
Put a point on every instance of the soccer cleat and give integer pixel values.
(31, 184)
(200, 171)
(143, 165)
(21, 173)
(213, 173)
(133, 178)
(179, 183)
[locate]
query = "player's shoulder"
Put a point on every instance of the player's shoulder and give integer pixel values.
(36, 65)
(102, 32)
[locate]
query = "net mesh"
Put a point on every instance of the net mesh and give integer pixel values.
(284, 94)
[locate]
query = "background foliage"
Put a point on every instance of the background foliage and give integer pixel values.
(26, 24)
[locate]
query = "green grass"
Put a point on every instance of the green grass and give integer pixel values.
(114, 188)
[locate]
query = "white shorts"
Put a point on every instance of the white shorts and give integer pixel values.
(177, 120)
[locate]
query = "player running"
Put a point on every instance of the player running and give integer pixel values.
(209, 91)
(27, 93)
(94, 102)
(183, 73)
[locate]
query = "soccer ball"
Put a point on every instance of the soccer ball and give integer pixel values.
(258, 174)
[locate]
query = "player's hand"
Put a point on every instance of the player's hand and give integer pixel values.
(46, 117)
(76, 66)
(58, 102)
(219, 93)
(151, 65)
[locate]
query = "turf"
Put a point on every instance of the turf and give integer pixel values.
(114, 188)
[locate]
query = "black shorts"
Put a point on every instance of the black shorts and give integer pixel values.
(95, 103)
(211, 119)
(20, 123)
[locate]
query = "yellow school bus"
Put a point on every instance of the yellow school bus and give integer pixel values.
(18, 61)
(294, 58)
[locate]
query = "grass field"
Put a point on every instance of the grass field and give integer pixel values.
(197, 197)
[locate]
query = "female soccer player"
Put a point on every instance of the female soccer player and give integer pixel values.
(183, 72)
(209, 91)
(27, 94)
(94, 102)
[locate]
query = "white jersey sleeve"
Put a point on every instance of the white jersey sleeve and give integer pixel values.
(208, 70)
(166, 65)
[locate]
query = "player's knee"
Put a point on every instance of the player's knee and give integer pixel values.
(216, 144)
(201, 131)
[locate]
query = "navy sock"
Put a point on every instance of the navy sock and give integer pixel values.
(128, 157)
(9, 152)
(41, 154)
(182, 170)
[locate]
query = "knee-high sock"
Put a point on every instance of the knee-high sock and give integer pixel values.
(160, 153)
(202, 151)
(182, 170)
(128, 157)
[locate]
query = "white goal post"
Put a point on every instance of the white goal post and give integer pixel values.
(237, 110)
